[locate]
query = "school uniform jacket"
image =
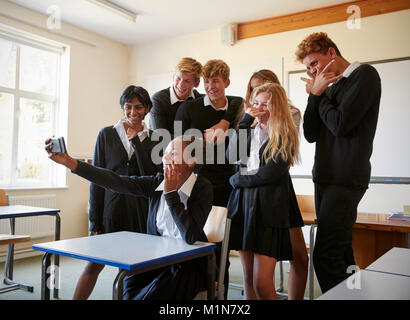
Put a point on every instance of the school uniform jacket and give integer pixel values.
(275, 196)
(110, 211)
(162, 113)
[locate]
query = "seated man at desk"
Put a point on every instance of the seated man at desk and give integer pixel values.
(179, 203)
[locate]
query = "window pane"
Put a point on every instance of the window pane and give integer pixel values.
(7, 64)
(6, 136)
(35, 125)
(38, 70)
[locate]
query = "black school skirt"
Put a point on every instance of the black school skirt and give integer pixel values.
(248, 231)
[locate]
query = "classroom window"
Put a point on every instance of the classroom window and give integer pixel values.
(32, 108)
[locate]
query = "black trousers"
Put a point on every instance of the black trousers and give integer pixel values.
(336, 211)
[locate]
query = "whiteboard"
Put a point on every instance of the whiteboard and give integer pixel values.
(390, 160)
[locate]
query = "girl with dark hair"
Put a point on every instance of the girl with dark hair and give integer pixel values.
(119, 148)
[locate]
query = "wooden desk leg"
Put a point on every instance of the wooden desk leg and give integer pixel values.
(211, 275)
(45, 276)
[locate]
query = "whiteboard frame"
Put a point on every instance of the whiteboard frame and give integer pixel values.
(373, 179)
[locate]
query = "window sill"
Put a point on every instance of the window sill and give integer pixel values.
(33, 188)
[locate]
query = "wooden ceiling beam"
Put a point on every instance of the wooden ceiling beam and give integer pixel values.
(318, 17)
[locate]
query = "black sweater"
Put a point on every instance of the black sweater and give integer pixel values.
(163, 112)
(194, 114)
(343, 125)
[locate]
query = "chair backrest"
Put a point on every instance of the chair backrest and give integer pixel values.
(217, 229)
(4, 201)
(215, 224)
(306, 203)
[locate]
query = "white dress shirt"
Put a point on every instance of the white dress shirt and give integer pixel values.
(352, 67)
(207, 102)
(165, 223)
(173, 97)
(119, 126)
(258, 139)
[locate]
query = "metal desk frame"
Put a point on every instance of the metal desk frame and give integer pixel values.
(117, 292)
(8, 268)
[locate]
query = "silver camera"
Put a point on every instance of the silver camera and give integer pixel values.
(58, 145)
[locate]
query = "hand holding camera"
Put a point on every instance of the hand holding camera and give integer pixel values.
(57, 151)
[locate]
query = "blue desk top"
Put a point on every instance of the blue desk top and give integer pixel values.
(125, 250)
(373, 286)
(15, 211)
(395, 261)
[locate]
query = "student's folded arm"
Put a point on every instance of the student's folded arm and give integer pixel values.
(191, 222)
(356, 102)
(235, 107)
(246, 121)
(269, 173)
(137, 186)
(312, 124)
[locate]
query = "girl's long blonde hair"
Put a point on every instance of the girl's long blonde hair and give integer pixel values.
(283, 134)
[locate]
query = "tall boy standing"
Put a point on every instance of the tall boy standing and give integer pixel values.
(341, 120)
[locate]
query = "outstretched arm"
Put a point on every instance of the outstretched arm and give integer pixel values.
(137, 186)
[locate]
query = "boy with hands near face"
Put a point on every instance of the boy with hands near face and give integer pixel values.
(341, 120)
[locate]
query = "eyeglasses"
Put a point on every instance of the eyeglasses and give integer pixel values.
(264, 105)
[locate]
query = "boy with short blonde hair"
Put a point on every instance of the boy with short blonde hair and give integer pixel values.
(165, 103)
(189, 65)
(216, 67)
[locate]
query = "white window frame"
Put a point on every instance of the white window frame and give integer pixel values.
(59, 101)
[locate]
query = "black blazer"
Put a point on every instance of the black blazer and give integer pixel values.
(142, 152)
(190, 221)
(162, 113)
(272, 181)
(110, 211)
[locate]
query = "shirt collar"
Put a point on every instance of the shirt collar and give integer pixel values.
(173, 97)
(186, 188)
(207, 102)
(120, 128)
(353, 66)
(145, 130)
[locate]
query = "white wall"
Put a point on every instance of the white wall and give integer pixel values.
(380, 37)
(98, 75)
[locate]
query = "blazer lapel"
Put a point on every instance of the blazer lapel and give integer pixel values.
(117, 137)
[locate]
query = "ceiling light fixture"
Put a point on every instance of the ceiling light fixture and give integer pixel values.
(116, 9)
